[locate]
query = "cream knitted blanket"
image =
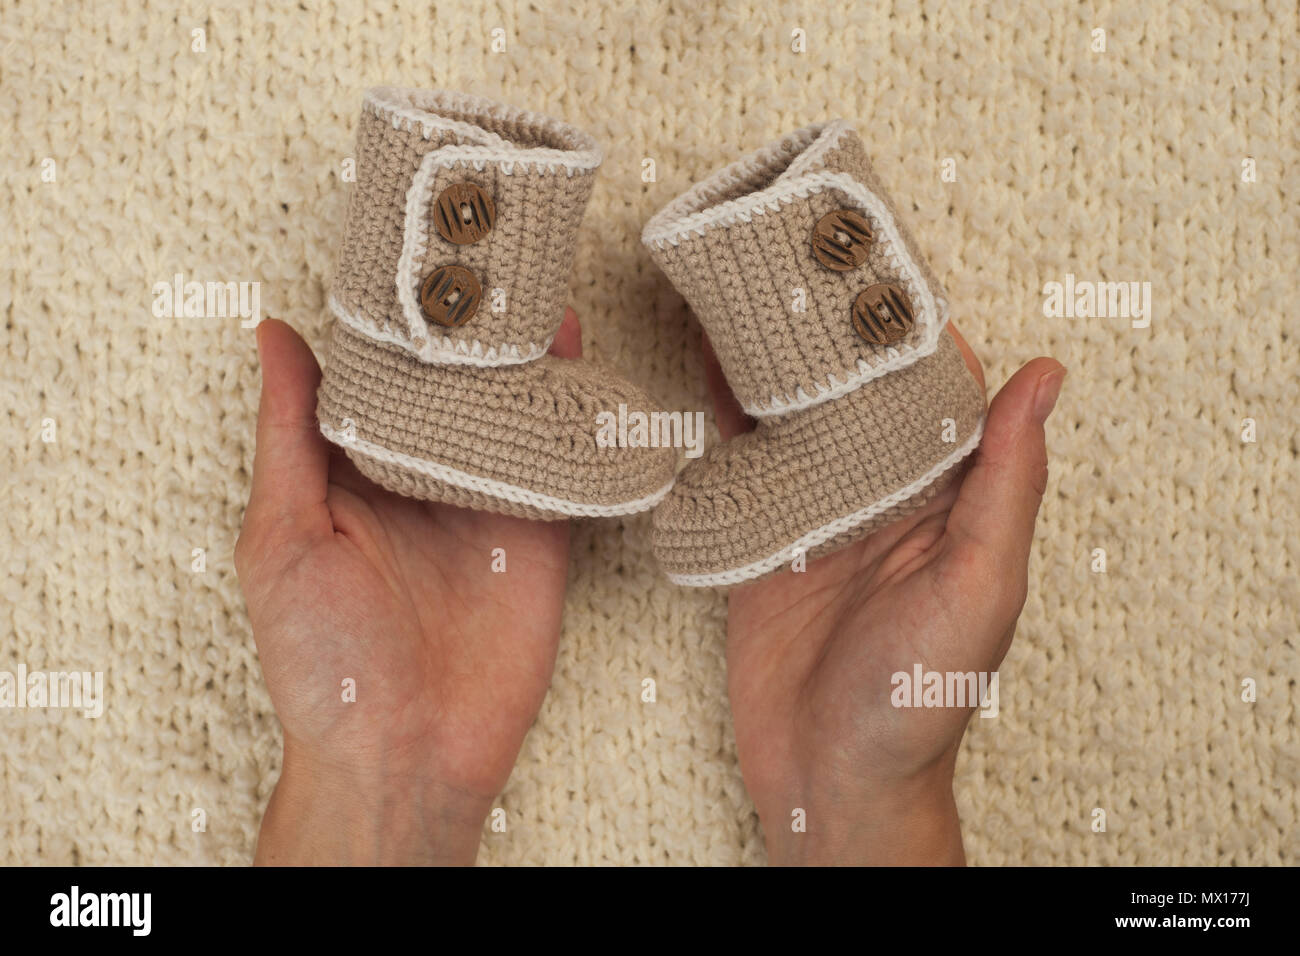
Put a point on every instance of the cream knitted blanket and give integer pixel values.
(1025, 148)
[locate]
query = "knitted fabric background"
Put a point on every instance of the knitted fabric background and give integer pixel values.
(130, 156)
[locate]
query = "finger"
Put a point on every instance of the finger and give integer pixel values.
(997, 503)
(568, 337)
(732, 419)
(968, 353)
(291, 467)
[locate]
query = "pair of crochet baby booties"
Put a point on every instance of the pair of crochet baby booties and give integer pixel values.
(826, 320)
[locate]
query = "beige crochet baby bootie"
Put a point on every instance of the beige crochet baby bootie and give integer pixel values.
(829, 327)
(451, 282)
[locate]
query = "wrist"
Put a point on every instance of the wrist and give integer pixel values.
(324, 814)
(910, 822)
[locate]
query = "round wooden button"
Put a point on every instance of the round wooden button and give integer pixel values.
(841, 240)
(450, 296)
(464, 213)
(882, 314)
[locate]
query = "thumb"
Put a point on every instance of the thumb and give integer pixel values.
(291, 467)
(568, 337)
(997, 503)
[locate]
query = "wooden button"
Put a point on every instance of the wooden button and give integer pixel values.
(841, 240)
(464, 213)
(450, 296)
(882, 314)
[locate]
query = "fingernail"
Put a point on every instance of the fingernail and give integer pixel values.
(257, 337)
(1049, 388)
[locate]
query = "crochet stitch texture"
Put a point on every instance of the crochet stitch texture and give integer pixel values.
(850, 435)
(477, 415)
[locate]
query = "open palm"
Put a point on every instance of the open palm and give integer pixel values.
(811, 654)
(392, 650)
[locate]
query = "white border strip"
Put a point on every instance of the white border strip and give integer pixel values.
(444, 351)
(807, 145)
(741, 171)
(412, 108)
(415, 235)
(490, 487)
(932, 311)
(828, 137)
(421, 110)
(828, 531)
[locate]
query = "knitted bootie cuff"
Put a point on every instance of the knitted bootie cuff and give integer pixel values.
(777, 252)
(460, 238)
